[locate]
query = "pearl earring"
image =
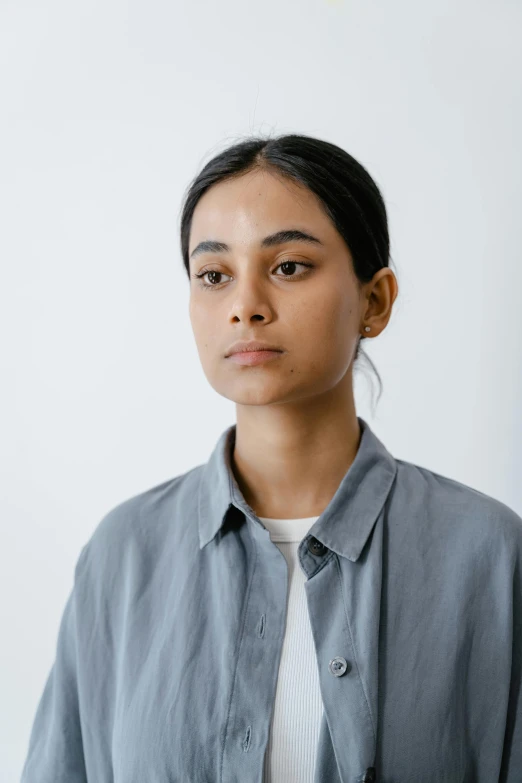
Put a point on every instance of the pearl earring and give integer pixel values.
(367, 328)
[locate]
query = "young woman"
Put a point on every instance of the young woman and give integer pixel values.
(303, 607)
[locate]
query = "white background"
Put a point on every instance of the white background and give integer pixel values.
(108, 109)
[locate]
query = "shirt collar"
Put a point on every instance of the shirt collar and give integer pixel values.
(345, 524)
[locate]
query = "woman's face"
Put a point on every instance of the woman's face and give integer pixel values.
(313, 313)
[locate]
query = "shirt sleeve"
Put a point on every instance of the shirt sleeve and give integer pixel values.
(511, 768)
(55, 753)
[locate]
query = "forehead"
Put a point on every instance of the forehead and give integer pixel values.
(254, 203)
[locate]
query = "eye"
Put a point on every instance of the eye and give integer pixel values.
(202, 274)
(289, 264)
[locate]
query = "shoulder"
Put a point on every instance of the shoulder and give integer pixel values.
(441, 498)
(138, 526)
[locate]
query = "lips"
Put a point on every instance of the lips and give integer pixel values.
(251, 358)
(251, 346)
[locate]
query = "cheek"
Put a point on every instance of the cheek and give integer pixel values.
(326, 316)
(201, 317)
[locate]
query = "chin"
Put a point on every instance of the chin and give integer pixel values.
(254, 394)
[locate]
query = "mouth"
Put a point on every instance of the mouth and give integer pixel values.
(250, 358)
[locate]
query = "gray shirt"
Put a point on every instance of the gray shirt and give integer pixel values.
(169, 645)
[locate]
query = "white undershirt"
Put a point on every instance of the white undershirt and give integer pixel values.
(298, 708)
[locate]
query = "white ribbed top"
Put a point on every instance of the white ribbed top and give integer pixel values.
(298, 708)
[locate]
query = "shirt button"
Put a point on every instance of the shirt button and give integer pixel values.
(338, 666)
(315, 546)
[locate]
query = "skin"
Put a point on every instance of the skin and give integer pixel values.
(296, 425)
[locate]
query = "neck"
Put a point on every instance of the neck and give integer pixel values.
(289, 459)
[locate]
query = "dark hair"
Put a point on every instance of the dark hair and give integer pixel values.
(350, 196)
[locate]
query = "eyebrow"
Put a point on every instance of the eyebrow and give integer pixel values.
(279, 238)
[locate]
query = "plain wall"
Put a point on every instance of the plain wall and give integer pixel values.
(108, 110)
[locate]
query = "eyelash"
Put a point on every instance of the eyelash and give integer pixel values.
(287, 261)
